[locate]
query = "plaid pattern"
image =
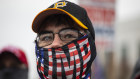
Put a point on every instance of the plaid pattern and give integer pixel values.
(68, 62)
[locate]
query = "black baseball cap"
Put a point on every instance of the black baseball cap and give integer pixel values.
(77, 13)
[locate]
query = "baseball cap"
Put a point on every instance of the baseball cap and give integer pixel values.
(76, 12)
(19, 53)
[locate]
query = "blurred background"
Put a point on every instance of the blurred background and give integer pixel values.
(117, 29)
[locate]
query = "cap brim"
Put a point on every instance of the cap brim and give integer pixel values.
(43, 14)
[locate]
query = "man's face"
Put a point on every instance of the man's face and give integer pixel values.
(57, 42)
(60, 35)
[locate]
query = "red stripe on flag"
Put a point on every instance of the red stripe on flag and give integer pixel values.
(86, 56)
(42, 68)
(49, 49)
(72, 44)
(71, 53)
(68, 72)
(37, 62)
(45, 77)
(71, 62)
(81, 40)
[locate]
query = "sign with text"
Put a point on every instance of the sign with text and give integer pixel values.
(102, 15)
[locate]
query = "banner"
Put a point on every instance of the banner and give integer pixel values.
(102, 15)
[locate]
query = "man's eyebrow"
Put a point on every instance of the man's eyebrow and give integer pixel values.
(46, 31)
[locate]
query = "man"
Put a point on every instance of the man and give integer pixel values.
(65, 43)
(13, 63)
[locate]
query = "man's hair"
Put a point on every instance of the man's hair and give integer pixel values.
(58, 20)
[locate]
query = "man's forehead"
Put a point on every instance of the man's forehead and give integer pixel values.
(54, 28)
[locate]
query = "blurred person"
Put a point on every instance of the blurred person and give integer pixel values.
(13, 63)
(65, 42)
(136, 72)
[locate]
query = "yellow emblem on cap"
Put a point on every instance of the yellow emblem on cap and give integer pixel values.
(60, 4)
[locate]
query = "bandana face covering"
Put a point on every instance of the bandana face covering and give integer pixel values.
(72, 61)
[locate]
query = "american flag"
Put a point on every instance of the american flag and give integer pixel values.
(68, 62)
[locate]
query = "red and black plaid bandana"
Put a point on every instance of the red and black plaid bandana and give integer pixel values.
(72, 61)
